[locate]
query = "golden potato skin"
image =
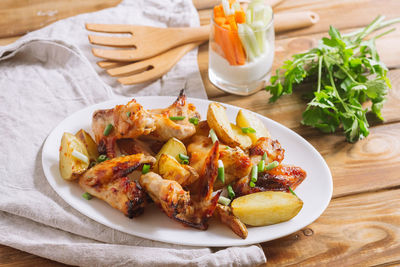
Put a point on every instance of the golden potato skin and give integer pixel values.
(245, 118)
(89, 143)
(266, 208)
(218, 120)
(71, 167)
(172, 147)
(169, 168)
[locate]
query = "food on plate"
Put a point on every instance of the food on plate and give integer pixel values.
(219, 122)
(207, 168)
(109, 181)
(254, 126)
(193, 207)
(172, 147)
(74, 158)
(89, 143)
(169, 168)
(225, 215)
(265, 208)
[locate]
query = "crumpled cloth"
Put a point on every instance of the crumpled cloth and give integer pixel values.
(46, 76)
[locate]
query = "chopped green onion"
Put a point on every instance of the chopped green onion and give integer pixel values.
(291, 191)
(92, 164)
(252, 184)
(231, 193)
(78, 155)
(224, 201)
(87, 196)
(264, 157)
(227, 147)
(108, 129)
(221, 171)
(248, 130)
(194, 120)
(146, 168)
(183, 156)
(128, 114)
(254, 174)
(271, 165)
(213, 136)
(177, 118)
(185, 162)
(261, 166)
(102, 158)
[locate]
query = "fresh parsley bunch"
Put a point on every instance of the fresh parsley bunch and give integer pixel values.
(348, 73)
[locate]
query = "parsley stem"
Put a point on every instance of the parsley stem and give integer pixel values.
(319, 73)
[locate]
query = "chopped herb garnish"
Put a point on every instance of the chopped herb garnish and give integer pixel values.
(183, 156)
(264, 157)
(291, 191)
(108, 129)
(87, 196)
(271, 165)
(231, 193)
(177, 118)
(146, 168)
(221, 171)
(194, 120)
(213, 136)
(254, 173)
(248, 130)
(102, 158)
(185, 162)
(128, 114)
(224, 201)
(261, 166)
(252, 184)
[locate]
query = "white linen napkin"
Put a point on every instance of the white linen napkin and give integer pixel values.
(46, 76)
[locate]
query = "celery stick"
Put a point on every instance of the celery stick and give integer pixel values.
(251, 40)
(227, 9)
(245, 43)
(235, 6)
(258, 28)
(248, 16)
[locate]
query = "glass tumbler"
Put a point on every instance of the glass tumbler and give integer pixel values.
(240, 61)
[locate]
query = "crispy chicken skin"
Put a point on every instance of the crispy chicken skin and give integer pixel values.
(236, 162)
(108, 181)
(266, 145)
(133, 121)
(225, 215)
(278, 179)
(165, 128)
(191, 209)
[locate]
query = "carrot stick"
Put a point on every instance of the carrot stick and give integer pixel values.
(227, 44)
(218, 11)
(240, 16)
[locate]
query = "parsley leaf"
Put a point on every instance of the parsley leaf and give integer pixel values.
(348, 72)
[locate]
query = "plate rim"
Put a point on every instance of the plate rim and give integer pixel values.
(119, 100)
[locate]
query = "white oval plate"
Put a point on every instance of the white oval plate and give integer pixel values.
(315, 191)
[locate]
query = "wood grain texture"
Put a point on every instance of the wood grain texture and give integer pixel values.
(28, 15)
(360, 230)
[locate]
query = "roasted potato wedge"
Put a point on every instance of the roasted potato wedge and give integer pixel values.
(265, 208)
(172, 147)
(169, 168)
(246, 119)
(70, 166)
(218, 120)
(89, 143)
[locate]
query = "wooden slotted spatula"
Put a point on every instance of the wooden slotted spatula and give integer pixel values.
(148, 69)
(147, 41)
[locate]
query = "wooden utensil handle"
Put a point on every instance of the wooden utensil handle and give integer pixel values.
(294, 20)
(190, 35)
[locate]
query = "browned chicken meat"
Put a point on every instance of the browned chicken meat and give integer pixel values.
(236, 162)
(174, 120)
(278, 179)
(225, 215)
(133, 121)
(108, 181)
(266, 145)
(194, 208)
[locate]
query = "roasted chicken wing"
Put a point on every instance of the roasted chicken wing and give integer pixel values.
(108, 181)
(225, 215)
(194, 208)
(278, 179)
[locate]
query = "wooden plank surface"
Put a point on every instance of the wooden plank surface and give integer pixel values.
(361, 225)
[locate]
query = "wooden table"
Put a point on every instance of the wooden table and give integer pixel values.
(361, 226)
